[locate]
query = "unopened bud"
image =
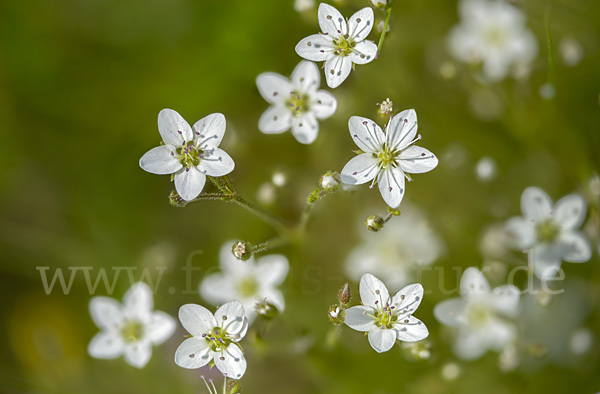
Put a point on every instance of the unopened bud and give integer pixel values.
(266, 310)
(374, 223)
(176, 200)
(242, 250)
(330, 180)
(336, 314)
(345, 295)
(379, 3)
(233, 387)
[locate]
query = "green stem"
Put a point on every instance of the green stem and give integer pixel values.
(256, 211)
(270, 244)
(388, 13)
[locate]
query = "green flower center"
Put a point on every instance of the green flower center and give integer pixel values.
(189, 154)
(298, 103)
(385, 317)
(132, 331)
(218, 338)
(479, 315)
(247, 287)
(495, 36)
(548, 230)
(386, 157)
(344, 46)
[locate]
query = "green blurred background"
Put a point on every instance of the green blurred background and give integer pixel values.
(81, 84)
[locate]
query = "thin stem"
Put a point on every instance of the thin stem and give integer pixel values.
(270, 244)
(263, 215)
(311, 200)
(388, 13)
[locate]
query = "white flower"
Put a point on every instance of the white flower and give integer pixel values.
(386, 318)
(213, 337)
(341, 44)
(403, 245)
(249, 281)
(129, 329)
(388, 156)
(480, 315)
(493, 33)
(191, 153)
(550, 232)
(303, 5)
(295, 103)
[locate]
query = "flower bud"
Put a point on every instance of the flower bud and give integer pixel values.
(374, 223)
(176, 200)
(379, 3)
(336, 314)
(242, 250)
(266, 310)
(233, 387)
(345, 295)
(330, 180)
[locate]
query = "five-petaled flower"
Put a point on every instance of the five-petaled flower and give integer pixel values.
(190, 153)
(387, 318)
(213, 338)
(550, 232)
(341, 44)
(129, 329)
(480, 315)
(295, 104)
(388, 157)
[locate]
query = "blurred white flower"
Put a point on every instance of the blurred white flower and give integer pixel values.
(571, 51)
(450, 371)
(249, 281)
(387, 157)
(213, 338)
(190, 153)
(341, 44)
(550, 231)
(279, 179)
(303, 5)
(295, 103)
(492, 33)
(480, 315)
(129, 329)
(387, 318)
(486, 169)
(403, 244)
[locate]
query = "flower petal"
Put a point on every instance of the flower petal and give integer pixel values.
(410, 329)
(231, 362)
(106, 312)
(173, 129)
(231, 266)
(196, 319)
(138, 301)
(138, 354)
(402, 129)
(417, 160)
(470, 344)
(272, 296)
(193, 353)
(217, 289)
(381, 339)
(272, 269)
(306, 77)
(189, 182)
(505, 299)
(363, 53)
(391, 186)
(357, 318)
(231, 316)
(209, 131)
(547, 260)
(535, 204)
(577, 247)
(450, 312)
(360, 169)
(106, 345)
(473, 284)
(337, 69)
(521, 232)
(407, 300)
(317, 48)
(305, 128)
(160, 160)
(367, 135)
(275, 120)
(331, 21)
(323, 104)
(274, 88)
(360, 24)
(216, 162)
(499, 333)
(372, 291)
(160, 327)
(569, 211)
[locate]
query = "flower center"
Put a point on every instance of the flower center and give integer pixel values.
(386, 157)
(298, 103)
(218, 338)
(479, 315)
(548, 230)
(385, 316)
(132, 331)
(247, 287)
(495, 36)
(344, 46)
(189, 154)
